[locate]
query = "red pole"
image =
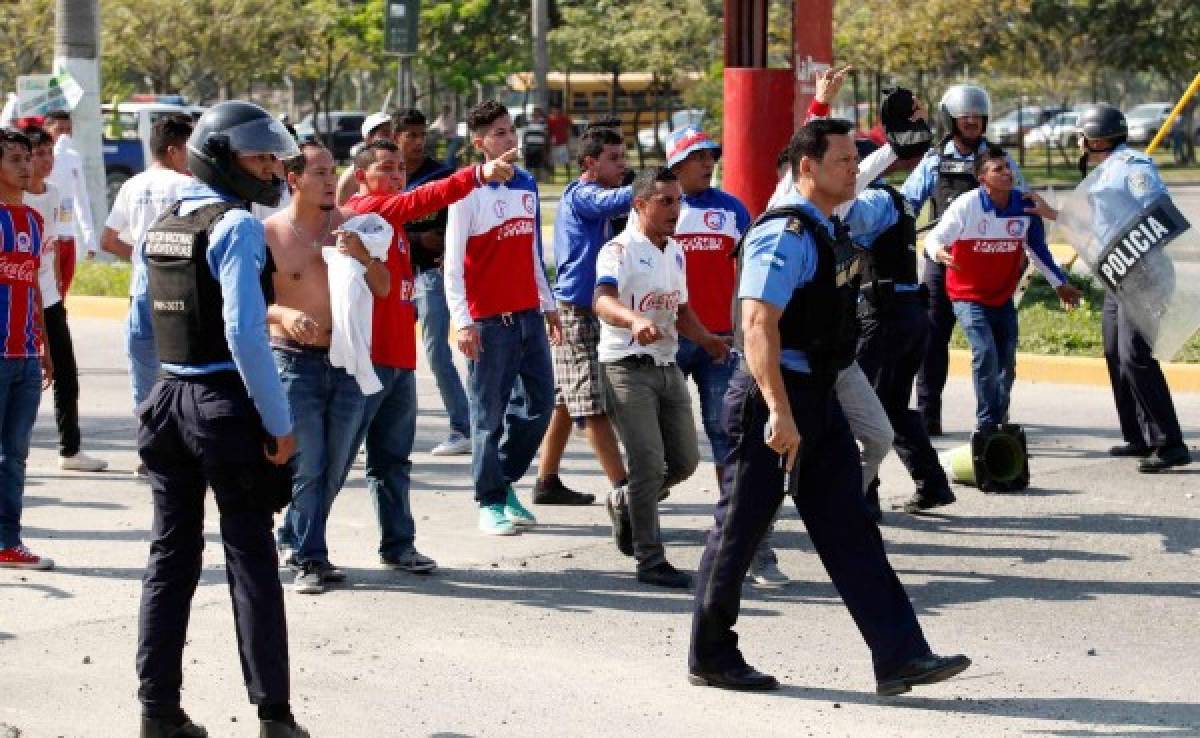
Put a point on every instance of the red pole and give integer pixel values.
(758, 124)
(812, 44)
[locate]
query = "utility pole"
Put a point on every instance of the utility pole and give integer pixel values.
(77, 52)
(541, 58)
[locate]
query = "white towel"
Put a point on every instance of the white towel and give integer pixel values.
(351, 301)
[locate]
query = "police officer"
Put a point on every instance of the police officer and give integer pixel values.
(894, 335)
(946, 172)
(798, 295)
(217, 417)
(1146, 412)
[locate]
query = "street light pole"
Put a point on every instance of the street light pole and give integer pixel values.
(541, 58)
(77, 52)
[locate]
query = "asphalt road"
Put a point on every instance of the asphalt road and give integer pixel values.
(1076, 600)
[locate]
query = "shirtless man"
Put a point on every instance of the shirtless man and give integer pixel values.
(326, 401)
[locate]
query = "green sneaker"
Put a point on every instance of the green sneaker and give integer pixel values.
(516, 512)
(494, 522)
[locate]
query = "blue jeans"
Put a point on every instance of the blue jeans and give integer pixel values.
(712, 379)
(140, 348)
(429, 294)
(992, 334)
(327, 407)
(389, 425)
(20, 395)
(511, 390)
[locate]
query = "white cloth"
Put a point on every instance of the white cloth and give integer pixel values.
(49, 206)
(351, 301)
(138, 204)
(649, 281)
(67, 176)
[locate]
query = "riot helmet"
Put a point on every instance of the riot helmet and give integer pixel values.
(960, 100)
(237, 127)
(1103, 121)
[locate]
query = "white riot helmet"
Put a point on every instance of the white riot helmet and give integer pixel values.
(962, 100)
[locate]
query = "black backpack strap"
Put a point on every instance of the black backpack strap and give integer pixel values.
(799, 221)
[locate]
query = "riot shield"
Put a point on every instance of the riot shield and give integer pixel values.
(1148, 257)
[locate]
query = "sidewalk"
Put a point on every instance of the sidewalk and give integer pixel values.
(1077, 601)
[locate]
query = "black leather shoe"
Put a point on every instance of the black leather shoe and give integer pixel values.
(551, 491)
(280, 729)
(622, 529)
(924, 670)
(171, 728)
(920, 502)
(1130, 450)
(1165, 458)
(933, 428)
(744, 678)
(664, 575)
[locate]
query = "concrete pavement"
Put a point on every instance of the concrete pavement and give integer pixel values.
(1077, 601)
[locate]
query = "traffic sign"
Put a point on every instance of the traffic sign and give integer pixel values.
(400, 26)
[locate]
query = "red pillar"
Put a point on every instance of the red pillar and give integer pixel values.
(758, 124)
(812, 45)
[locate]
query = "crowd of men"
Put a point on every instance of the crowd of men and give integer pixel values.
(804, 332)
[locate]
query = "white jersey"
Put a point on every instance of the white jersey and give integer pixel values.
(49, 205)
(139, 203)
(67, 176)
(649, 281)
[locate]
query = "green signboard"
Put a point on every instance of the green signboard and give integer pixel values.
(400, 26)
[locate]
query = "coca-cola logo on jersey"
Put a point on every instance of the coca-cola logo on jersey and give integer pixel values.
(527, 201)
(23, 271)
(512, 229)
(714, 219)
(653, 301)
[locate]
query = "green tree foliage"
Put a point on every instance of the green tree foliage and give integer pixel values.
(26, 44)
(464, 42)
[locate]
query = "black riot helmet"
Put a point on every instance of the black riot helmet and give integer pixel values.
(237, 127)
(960, 100)
(1103, 121)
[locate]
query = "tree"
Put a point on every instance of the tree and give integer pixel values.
(468, 42)
(25, 45)
(590, 39)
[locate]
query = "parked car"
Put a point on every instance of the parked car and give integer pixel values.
(651, 137)
(1145, 120)
(1062, 131)
(1003, 130)
(340, 130)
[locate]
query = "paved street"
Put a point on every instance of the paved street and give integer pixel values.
(1077, 601)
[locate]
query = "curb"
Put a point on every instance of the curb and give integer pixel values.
(1030, 367)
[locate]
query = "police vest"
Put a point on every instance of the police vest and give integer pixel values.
(955, 177)
(821, 317)
(893, 255)
(185, 298)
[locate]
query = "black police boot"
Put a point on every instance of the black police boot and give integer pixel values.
(550, 490)
(280, 729)
(744, 678)
(922, 501)
(1132, 450)
(664, 575)
(1165, 458)
(924, 670)
(179, 726)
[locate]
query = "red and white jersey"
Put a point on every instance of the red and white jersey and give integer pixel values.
(710, 224)
(652, 282)
(987, 243)
(493, 262)
(21, 230)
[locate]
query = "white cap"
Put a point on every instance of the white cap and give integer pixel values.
(373, 121)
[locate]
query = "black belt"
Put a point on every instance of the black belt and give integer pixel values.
(639, 360)
(287, 344)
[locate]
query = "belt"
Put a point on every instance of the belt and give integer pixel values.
(287, 344)
(504, 318)
(639, 360)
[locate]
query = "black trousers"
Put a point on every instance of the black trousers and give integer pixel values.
(891, 348)
(66, 378)
(193, 433)
(931, 379)
(828, 496)
(1144, 405)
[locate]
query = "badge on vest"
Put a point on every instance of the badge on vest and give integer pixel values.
(957, 166)
(1158, 225)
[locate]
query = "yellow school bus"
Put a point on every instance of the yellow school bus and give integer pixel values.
(585, 96)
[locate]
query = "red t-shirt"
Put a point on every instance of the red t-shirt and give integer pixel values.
(393, 335)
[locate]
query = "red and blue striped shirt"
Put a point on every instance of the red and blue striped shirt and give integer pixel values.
(21, 231)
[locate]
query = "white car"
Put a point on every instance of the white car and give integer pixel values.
(1144, 121)
(1061, 131)
(647, 139)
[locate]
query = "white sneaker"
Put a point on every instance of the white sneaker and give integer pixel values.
(456, 444)
(81, 462)
(764, 570)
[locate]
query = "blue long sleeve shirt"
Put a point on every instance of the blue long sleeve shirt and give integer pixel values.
(237, 254)
(580, 228)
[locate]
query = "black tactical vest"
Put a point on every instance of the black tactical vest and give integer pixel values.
(821, 318)
(893, 255)
(954, 177)
(185, 298)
